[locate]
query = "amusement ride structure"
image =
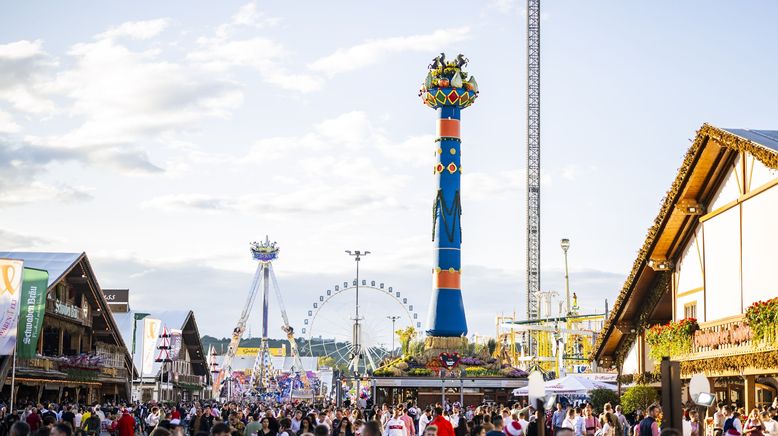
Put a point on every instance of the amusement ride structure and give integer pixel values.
(328, 335)
(262, 376)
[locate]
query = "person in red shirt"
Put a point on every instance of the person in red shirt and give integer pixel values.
(34, 420)
(126, 424)
(444, 426)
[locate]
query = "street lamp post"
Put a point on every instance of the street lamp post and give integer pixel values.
(136, 317)
(565, 244)
(357, 331)
(394, 319)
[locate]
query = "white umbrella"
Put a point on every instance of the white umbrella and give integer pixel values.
(569, 385)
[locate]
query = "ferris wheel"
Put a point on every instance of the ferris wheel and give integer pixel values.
(331, 330)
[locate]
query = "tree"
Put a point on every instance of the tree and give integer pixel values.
(491, 346)
(327, 361)
(406, 335)
(639, 398)
(601, 396)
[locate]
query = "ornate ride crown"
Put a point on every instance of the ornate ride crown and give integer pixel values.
(265, 251)
(447, 84)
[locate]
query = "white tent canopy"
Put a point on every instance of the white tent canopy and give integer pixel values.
(569, 385)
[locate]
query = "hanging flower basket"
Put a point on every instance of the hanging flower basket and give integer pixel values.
(671, 339)
(762, 317)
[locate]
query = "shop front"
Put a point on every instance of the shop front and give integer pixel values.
(704, 282)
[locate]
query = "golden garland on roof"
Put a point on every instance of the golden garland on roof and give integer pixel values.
(766, 156)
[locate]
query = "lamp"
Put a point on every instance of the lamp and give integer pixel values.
(660, 264)
(565, 244)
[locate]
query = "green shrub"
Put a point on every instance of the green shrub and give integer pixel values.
(601, 396)
(638, 398)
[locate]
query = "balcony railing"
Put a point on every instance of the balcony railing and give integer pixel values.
(189, 379)
(74, 364)
(722, 337)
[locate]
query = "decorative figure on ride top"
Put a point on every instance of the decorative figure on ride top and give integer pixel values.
(448, 89)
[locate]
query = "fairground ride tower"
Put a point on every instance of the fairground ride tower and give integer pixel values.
(448, 90)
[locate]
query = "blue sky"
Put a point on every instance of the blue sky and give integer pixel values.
(162, 137)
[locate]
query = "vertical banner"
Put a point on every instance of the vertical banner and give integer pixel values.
(176, 344)
(11, 272)
(150, 333)
(33, 305)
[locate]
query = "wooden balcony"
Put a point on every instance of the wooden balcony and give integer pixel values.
(189, 379)
(725, 337)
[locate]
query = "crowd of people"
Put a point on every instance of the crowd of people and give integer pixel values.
(211, 418)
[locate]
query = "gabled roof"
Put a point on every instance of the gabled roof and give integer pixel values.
(173, 319)
(697, 179)
(765, 138)
(57, 264)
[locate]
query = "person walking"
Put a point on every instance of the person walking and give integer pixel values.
(648, 426)
(444, 428)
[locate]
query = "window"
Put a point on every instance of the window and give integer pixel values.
(690, 310)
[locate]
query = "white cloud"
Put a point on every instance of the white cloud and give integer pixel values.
(224, 51)
(352, 131)
(136, 29)
(371, 51)
(23, 69)
(504, 6)
(127, 98)
(7, 123)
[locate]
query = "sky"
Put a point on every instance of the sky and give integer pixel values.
(162, 137)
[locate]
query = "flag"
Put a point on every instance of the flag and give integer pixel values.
(33, 306)
(150, 332)
(176, 344)
(11, 272)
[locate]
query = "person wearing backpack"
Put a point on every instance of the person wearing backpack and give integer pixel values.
(91, 426)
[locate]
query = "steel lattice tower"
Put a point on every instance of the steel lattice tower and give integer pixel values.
(533, 158)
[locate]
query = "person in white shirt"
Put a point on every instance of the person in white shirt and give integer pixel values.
(580, 424)
(454, 417)
(523, 416)
(769, 426)
(622, 421)
(569, 421)
(425, 419)
(395, 426)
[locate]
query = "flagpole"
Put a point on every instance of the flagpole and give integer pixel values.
(13, 380)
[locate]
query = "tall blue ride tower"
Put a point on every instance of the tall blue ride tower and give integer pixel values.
(448, 90)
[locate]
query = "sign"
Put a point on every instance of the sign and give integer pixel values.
(117, 296)
(150, 333)
(253, 351)
(730, 334)
(66, 309)
(11, 272)
(33, 306)
(449, 360)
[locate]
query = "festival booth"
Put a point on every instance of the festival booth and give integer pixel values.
(574, 387)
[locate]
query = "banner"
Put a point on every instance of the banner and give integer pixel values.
(253, 351)
(11, 272)
(150, 335)
(176, 342)
(33, 306)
